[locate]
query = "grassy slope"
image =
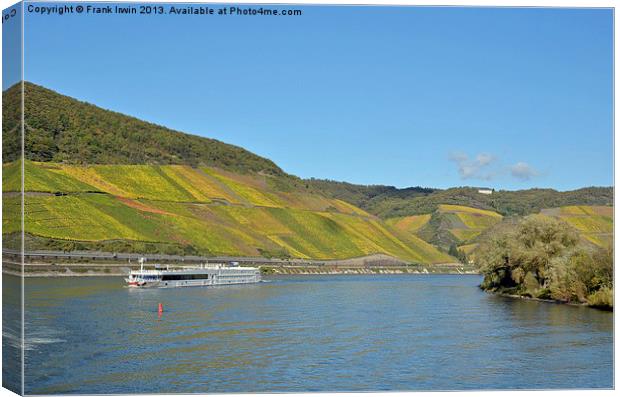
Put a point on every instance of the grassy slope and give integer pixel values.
(449, 224)
(212, 210)
(594, 223)
(410, 224)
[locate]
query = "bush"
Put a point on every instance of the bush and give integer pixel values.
(531, 284)
(540, 257)
(603, 298)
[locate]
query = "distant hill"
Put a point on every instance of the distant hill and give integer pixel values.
(376, 198)
(448, 226)
(391, 202)
(594, 223)
(63, 129)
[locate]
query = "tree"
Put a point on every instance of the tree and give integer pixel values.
(542, 257)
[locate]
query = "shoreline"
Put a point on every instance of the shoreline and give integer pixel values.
(47, 270)
(375, 270)
(96, 264)
(554, 301)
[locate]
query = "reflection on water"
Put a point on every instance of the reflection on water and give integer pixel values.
(323, 333)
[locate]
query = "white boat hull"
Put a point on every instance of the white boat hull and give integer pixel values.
(193, 277)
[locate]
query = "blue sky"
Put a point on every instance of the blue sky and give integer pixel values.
(405, 96)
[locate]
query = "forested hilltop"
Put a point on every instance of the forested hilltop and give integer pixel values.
(64, 130)
(390, 202)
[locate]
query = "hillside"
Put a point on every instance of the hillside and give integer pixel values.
(463, 228)
(390, 202)
(97, 179)
(144, 187)
(448, 226)
(594, 223)
(180, 209)
(63, 129)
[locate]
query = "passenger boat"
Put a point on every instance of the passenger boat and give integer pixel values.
(190, 276)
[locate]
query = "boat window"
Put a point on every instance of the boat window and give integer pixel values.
(185, 276)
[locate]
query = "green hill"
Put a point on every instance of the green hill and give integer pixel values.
(390, 202)
(449, 225)
(96, 179)
(594, 223)
(63, 129)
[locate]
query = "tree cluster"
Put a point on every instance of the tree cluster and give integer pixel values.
(62, 129)
(542, 257)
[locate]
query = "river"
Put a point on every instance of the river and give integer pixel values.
(92, 335)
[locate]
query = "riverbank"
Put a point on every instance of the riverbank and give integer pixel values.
(94, 263)
(451, 268)
(558, 302)
(122, 269)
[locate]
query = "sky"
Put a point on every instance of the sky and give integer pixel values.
(508, 98)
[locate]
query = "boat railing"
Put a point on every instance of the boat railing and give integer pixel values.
(145, 271)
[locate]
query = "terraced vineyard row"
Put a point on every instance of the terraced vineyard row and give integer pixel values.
(594, 223)
(463, 226)
(450, 225)
(213, 211)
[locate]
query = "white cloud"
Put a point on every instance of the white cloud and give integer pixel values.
(477, 168)
(484, 159)
(523, 171)
(485, 166)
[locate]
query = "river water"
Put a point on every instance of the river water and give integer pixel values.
(305, 333)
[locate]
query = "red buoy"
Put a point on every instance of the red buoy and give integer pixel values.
(160, 308)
